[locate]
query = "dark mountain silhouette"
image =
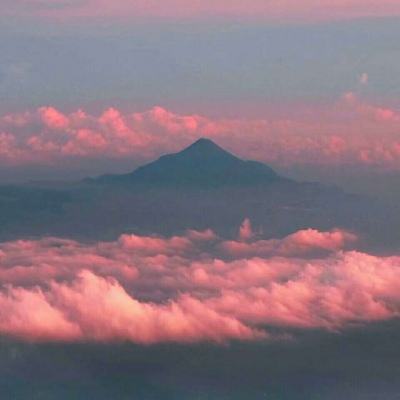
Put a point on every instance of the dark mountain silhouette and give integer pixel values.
(201, 187)
(202, 164)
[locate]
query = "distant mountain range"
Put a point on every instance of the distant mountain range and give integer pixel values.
(203, 186)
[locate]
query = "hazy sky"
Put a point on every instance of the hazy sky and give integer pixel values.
(308, 10)
(285, 82)
(199, 65)
(311, 87)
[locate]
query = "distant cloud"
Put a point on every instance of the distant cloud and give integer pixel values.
(246, 231)
(195, 287)
(364, 78)
(349, 131)
(301, 243)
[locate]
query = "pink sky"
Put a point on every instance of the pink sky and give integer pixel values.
(260, 9)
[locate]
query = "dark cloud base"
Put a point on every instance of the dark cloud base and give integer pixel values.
(358, 364)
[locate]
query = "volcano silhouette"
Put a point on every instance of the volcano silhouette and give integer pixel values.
(203, 186)
(203, 164)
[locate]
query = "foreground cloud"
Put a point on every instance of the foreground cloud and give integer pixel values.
(347, 132)
(94, 308)
(193, 287)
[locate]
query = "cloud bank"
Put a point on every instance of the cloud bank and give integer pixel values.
(349, 132)
(194, 287)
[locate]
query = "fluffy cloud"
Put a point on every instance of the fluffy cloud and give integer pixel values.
(94, 308)
(193, 287)
(304, 242)
(348, 132)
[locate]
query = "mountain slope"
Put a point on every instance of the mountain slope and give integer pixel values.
(202, 164)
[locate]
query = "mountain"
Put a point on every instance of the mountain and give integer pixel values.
(202, 164)
(200, 187)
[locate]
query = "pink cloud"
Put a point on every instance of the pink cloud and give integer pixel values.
(53, 119)
(194, 287)
(301, 243)
(94, 308)
(351, 131)
(245, 230)
(28, 314)
(347, 289)
(156, 245)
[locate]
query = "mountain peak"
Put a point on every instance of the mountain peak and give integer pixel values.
(204, 142)
(204, 147)
(202, 164)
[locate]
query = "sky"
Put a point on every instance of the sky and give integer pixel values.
(280, 10)
(310, 82)
(309, 87)
(90, 87)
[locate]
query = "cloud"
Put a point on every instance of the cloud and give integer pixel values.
(245, 230)
(194, 287)
(53, 119)
(364, 78)
(304, 242)
(94, 308)
(156, 245)
(344, 290)
(351, 131)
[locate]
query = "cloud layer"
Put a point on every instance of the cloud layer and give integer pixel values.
(348, 132)
(195, 287)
